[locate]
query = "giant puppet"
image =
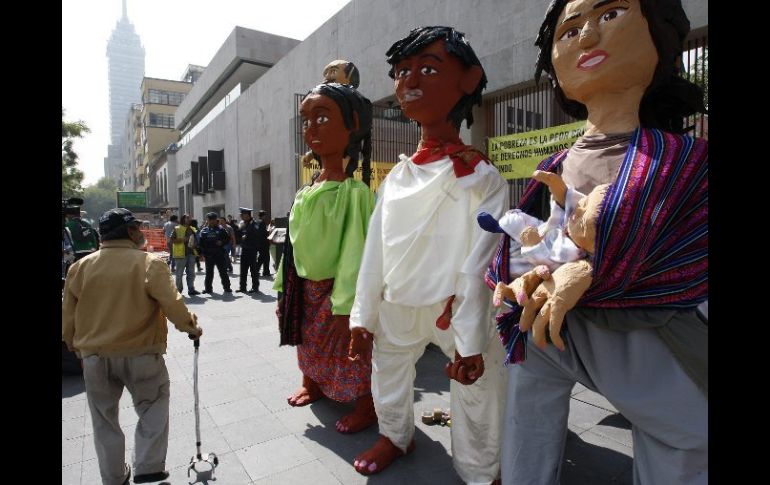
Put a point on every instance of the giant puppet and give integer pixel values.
(631, 333)
(424, 261)
(327, 228)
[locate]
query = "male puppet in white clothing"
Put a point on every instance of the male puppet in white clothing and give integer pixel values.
(421, 277)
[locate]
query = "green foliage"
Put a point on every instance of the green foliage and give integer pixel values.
(71, 176)
(99, 197)
(700, 74)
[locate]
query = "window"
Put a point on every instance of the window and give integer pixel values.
(158, 96)
(161, 120)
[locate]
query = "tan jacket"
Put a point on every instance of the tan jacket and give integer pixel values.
(116, 301)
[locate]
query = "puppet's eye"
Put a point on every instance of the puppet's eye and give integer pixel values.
(428, 70)
(611, 14)
(573, 32)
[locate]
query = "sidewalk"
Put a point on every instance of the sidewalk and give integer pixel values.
(244, 379)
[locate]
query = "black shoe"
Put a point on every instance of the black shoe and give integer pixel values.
(228, 290)
(151, 477)
(253, 290)
(241, 290)
(207, 291)
(193, 292)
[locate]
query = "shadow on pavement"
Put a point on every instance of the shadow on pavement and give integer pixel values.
(430, 373)
(72, 385)
(587, 463)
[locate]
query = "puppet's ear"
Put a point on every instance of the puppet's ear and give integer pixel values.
(471, 79)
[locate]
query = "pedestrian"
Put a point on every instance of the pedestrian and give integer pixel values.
(230, 243)
(183, 251)
(168, 231)
(212, 240)
(114, 311)
(194, 225)
(250, 241)
(263, 259)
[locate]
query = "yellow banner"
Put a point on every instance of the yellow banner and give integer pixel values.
(379, 171)
(517, 155)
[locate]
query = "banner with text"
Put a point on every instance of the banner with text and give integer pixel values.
(379, 171)
(517, 155)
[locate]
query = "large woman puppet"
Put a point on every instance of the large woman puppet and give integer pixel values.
(634, 335)
(317, 277)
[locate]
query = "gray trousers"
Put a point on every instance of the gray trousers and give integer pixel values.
(638, 374)
(146, 378)
(185, 264)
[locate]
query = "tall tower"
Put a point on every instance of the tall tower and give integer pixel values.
(125, 59)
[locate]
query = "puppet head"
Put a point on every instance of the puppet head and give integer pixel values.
(437, 75)
(623, 43)
(343, 72)
(337, 120)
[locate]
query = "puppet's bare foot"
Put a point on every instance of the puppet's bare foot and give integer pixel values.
(308, 393)
(361, 418)
(379, 456)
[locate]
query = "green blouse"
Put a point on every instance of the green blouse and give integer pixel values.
(327, 227)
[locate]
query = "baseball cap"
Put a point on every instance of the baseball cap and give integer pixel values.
(115, 218)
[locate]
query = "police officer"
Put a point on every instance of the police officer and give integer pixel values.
(250, 240)
(263, 260)
(212, 240)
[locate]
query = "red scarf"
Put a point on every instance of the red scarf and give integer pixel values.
(464, 157)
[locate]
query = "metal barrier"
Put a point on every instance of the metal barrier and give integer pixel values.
(156, 243)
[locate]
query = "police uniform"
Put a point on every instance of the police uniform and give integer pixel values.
(211, 241)
(249, 249)
(263, 260)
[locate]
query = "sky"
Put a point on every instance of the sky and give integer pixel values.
(174, 33)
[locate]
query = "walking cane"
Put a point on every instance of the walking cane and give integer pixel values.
(210, 458)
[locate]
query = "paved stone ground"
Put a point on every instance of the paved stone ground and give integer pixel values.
(244, 378)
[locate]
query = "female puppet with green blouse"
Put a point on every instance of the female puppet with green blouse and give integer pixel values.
(317, 276)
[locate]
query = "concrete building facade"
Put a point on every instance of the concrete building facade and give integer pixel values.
(160, 99)
(256, 130)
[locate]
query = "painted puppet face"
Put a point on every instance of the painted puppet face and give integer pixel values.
(602, 46)
(582, 223)
(323, 126)
(335, 72)
(429, 83)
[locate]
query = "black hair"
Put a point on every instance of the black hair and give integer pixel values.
(669, 98)
(420, 38)
(172, 218)
(117, 233)
(351, 101)
(351, 72)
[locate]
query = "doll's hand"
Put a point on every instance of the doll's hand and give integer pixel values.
(338, 330)
(361, 342)
(555, 184)
(523, 286)
(465, 370)
(554, 298)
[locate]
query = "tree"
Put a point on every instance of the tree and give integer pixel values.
(71, 176)
(99, 197)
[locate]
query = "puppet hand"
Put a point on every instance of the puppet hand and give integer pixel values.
(552, 299)
(523, 286)
(555, 184)
(465, 370)
(360, 345)
(502, 291)
(338, 330)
